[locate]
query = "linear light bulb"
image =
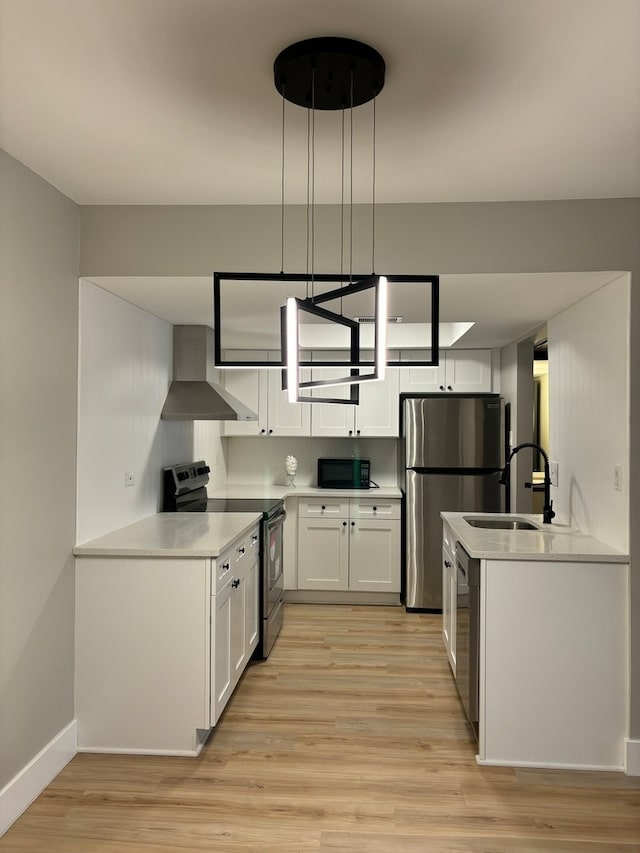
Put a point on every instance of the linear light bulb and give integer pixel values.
(381, 327)
(293, 389)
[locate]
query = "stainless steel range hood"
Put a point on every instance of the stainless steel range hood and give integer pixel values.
(193, 395)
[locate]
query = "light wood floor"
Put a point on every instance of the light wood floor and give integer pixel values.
(350, 737)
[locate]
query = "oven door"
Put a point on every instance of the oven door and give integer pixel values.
(273, 563)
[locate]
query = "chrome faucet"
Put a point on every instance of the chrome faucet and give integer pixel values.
(547, 509)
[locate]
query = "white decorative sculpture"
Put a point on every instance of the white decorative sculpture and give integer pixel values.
(291, 466)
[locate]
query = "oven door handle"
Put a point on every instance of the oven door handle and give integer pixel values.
(276, 520)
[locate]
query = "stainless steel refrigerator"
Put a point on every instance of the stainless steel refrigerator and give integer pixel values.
(452, 452)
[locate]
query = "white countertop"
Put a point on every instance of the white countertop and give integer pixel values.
(257, 490)
(550, 542)
(173, 534)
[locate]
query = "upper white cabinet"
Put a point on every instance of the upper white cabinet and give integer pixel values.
(461, 371)
(375, 416)
(261, 390)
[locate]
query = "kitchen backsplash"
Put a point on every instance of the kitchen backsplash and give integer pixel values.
(261, 460)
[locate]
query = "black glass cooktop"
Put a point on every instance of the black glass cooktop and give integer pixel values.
(264, 505)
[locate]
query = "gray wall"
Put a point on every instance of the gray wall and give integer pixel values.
(39, 253)
(560, 236)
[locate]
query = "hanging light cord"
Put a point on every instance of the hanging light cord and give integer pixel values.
(351, 181)
(308, 194)
(373, 193)
(313, 179)
(342, 205)
(282, 192)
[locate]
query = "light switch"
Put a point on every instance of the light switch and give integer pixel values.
(129, 478)
(617, 478)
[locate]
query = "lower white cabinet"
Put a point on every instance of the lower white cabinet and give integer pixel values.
(234, 621)
(349, 545)
(160, 644)
(449, 595)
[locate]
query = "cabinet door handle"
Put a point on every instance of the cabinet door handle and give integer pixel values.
(344, 523)
(262, 431)
(235, 583)
(350, 432)
(357, 432)
(254, 538)
(225, 567)
(240, 550)
(447, 564)
(449, 388)
(270, 431)
(353, 524)
(441, 388)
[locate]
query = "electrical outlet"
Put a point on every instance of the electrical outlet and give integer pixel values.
(129, 478)
(553, 473)
(617, 478)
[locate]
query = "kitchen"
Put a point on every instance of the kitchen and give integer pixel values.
(122, 241)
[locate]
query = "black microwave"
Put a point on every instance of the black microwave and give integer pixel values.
(344, 473)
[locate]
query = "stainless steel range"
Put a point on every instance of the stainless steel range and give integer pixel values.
(185, 490)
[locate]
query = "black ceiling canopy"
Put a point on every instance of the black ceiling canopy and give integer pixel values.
(329, 73)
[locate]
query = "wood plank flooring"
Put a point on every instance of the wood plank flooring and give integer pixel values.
(350, 737)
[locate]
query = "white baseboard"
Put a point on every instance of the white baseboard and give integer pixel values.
(22, 790)
(632, 764)
(549, 765)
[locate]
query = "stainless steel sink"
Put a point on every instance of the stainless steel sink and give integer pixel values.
(500, 523)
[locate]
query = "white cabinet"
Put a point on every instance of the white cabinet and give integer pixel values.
(377, 414)
(142, 653)
(161, 643)
(261, 390)
(234, 619)
(460, 371)
(349, 545)
(449, 595)
(554, 649)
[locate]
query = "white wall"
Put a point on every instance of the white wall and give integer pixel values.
(208, 444)
(39, 250)
(261, 460)
(126, 361)
(589, 412)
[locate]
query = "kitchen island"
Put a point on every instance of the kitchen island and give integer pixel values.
(551, 637)
(166, 622)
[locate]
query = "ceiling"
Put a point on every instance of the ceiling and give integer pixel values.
(173, 102)
(503, 307)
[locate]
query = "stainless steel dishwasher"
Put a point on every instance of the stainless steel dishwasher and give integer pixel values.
(468, 634)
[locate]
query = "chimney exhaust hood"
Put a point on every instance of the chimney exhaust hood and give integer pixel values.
(193, 396)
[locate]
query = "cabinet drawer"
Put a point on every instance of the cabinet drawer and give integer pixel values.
(372, 508)
(325, 508)
(223, 570)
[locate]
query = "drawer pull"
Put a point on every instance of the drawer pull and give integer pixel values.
(254, 538)
(323, 507)
(375, 509)
(235, 583)
(240, 550)
(447, 564)
(225, 567)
